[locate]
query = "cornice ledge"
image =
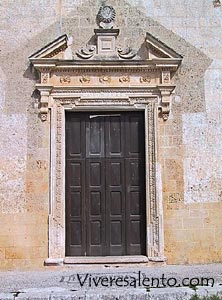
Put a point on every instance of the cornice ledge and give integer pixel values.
(170, 63)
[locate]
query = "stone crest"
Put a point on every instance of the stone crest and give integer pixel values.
(106, 16)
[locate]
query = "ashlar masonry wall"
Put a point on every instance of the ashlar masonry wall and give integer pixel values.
(189, 146)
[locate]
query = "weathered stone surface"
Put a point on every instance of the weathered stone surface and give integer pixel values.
(189, 144)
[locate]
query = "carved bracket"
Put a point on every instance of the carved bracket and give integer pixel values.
(165, 103)
(44, 102)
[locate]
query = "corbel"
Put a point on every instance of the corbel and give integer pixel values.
(44, 101)
(165, 103)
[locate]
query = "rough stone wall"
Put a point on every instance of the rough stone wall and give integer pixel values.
(189, 148)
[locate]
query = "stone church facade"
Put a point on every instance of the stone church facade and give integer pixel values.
(110, 132)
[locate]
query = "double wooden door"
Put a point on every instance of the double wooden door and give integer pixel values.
(105, 184)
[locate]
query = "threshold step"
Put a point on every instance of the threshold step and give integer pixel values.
(106, 259)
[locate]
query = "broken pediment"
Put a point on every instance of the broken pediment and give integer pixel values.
(102, 66)
(55, 49)
(105, 49)
(157, 49)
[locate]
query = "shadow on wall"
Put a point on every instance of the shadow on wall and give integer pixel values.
(80, 23)
(133, 25)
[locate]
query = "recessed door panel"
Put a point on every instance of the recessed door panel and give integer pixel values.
(105, 184)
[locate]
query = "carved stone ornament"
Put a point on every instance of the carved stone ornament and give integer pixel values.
(217, 3)
(84, 79)
(126, 53)
(106, 16)
(44, 101)
(124, 79)
(65, 79)
(165, 102)
(86, 52)
(44, 77)
(165, 77)
(105, 79)
(145, 79)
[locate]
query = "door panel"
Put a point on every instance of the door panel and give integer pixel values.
(75, 215)
(95, 206)
(135, 206)
(105, 184)
(114, 131)
(94, 136)
(115, 206)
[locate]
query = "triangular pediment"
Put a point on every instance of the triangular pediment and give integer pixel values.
(54, 49)
(157, 49)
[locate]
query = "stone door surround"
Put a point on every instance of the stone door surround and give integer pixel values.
(102, 77)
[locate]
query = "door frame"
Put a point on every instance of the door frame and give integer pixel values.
(154, 212)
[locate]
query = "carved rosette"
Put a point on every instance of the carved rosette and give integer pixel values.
(84, 79)
(124, 79)
(65, 79)
(145, 79)
(105, 79)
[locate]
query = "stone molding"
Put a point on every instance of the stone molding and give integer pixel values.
(96, 83)
(59, 105)
(157, 81)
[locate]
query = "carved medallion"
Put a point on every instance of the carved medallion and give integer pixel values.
(106, 16)
(145, 79)
(124, 79)
(43, 117)
(84, 79)
(105, 79)
(65, 79)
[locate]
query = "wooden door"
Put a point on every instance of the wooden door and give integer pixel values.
(105, 184)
